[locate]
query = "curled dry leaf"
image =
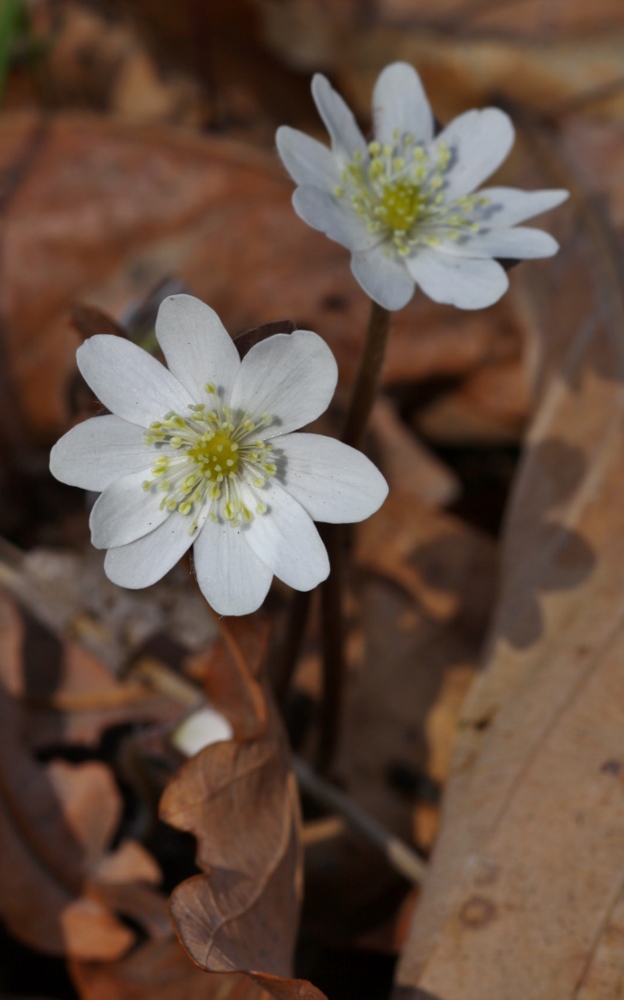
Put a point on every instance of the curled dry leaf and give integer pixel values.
(239, 799)
(525, 894)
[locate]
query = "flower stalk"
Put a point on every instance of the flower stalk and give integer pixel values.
(334, 666)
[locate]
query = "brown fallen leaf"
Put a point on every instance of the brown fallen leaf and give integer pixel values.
(447, 566)
(240, 801)
(62, 885)
(490, 407)
(524, 897)
(77, 632)
(406, 463)
(229, 671)
(465, 52)
(101, 62)
(158, 971)
(223, 210)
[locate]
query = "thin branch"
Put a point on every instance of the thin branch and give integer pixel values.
(398, 854)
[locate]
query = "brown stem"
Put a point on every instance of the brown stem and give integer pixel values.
(333, 652)
(334, 669)
(367, 381)
(362, 401)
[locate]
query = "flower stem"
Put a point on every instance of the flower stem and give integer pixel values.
(334, 672)
(333, 649)
(367, 381)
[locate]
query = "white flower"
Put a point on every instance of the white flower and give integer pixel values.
(204, 454)
(404, 205)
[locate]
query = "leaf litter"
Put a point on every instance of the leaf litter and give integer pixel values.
(523, 896)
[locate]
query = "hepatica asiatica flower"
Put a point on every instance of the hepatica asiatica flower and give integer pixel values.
(203, 454)
(406, 204)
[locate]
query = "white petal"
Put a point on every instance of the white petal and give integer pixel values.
(231, 577)
(125, 511)
(458, 281)
(128, 381)
(330, 480)
(400, 102)
(292, 377)
(384, 278)
(286, 540)
(519, 244)
(508, 206)
(306, 160)
(334, 218)
(146, 560)
(338, 118)
(196, 345)
(99, 450)
(479, 141)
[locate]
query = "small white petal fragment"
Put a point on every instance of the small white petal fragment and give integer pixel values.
(96, 452)
(287, 541)
(128, 381)
(290, 376)
(231, 577)
(199, 730)
(197, 347)
(306, 160)
(400, 104)
(338, 118)
(146, 560)
(459, 281)
(331, 481)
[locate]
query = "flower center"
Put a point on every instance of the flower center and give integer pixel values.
(400, 205)
(212, 461)
(215, 452)
(399, 191)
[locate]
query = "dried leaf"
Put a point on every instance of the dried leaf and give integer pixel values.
(524, 896)
(222, 209)
(229, 672)
(158, 971)
(447, 567)
(406, 463)
(465, 52)
(61, 884)
(240, 801)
